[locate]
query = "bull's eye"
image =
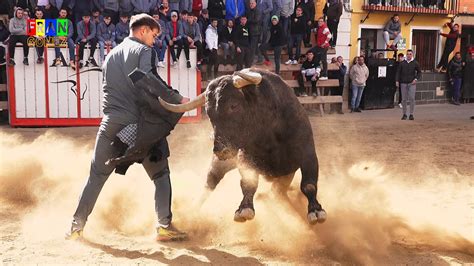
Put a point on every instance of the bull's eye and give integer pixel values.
(234, 107)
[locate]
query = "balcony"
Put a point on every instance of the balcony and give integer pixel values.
(450, 7)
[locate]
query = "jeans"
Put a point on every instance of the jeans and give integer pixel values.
(332, 25)
(23, 39)
(457, 89)
(93, 43)
(254, 46)
(244, 58)
(71, 47)
(99, 173)
(408, 93)
(387, 37)
(285, 23)
(276, 54)
(357, 92)
(295, 39)
(160, 51)
(102, 47)
(229, 49)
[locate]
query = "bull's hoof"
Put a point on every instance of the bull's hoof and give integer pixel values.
(244, 215)
(317, 217)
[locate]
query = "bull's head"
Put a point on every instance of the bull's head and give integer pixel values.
(227, 108)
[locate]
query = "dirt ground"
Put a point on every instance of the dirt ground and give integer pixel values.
(396, 192)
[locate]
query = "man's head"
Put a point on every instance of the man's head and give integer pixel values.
(401, 56)
(456, 27)
(205, 13)
(26, 13)
(243, 20)
(252, 4)
(457, 56)
(156, 15)
(274, 20)
(19, 13)
(107, 19)
(184, 15)
(409, 55)
(174, 16)
(190, 19)
(333, 60)
(360, 60)
(144, 28)
(214, 23)
(86, 18)
(39, 13)
(299, 11)
(380, 56)
(230, 23)
(340, 60)
(309, 55)
(320, 21)
(62, 13)
(395, 18)
(95, 13)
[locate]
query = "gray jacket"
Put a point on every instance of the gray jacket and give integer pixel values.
(122, 31)
(190, 30)
(141, 6)
(106, 32)
(81, 31)
(17, 26)
(186, 5)
(392, 26)
(287, 8)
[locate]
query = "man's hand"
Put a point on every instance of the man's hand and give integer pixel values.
(191, 45)
(395, 33)
(84, 40)
(185, 100)
(413, 82)
(238, 50)
(171, 43)
(397, 84)
(190, 40)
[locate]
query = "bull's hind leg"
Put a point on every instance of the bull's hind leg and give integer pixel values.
(249, 184)
(309, 187)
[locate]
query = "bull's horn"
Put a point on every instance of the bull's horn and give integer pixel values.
(184, 107)
(245, 77)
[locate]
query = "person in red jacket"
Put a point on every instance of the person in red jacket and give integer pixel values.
(451, 39)
(197, 7)
(323, 36)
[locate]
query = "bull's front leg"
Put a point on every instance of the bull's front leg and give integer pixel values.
(249, 184)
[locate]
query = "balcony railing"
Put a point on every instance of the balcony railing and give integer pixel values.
(442, 7)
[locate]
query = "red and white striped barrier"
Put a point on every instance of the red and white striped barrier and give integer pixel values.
(44, 95)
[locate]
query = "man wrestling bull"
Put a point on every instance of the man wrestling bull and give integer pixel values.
(133, 128)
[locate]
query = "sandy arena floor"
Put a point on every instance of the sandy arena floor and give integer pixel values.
(396, 192)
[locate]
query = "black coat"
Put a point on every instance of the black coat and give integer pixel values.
(298, 24)
(407, 72)
(242, 36)
(254, 22)
(226, 36)
(216, 9)
(455, 69)
(277, 36)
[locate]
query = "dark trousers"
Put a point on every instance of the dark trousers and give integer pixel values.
(301, 80)
(457, 89)
(448, 49)
(322, 56)
(172, 51)
(14, 39)
(307, 36)
(332, 25)
(244, 57)
(295, 41)
(92, 42)
(199, 50)
(254, 46)
(213, 65)
(276, 54)
(183, 44)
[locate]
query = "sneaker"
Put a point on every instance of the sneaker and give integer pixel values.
(404, 117)
(267, 63)
(56, 62)
(411, 117)
(40, 60)
(288, 62)
(358, 110)
(11, 62)
(304, 94)
(315, 94)
(170, 233)
(81, 64)
(400, 105)
(294, 62)
(72, 64)
(25, 61)
(74, 234)
(188, 64)
(323, 78)
(161, 64)
(92, 62)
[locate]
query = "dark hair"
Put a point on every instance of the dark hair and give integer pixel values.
(214, 19)
(400, 54)
(63, 8)
(155, 12)
(409, 51)
(395, 15)
(457, 53)
(184, 12)
(140, 20)
(309, 51)
(361, 56)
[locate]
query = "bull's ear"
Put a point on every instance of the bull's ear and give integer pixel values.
(245, 77)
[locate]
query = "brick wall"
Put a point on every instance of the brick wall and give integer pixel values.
(432, 88)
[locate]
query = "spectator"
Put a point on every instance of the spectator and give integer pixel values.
(212, 41)
(163, 14)
(380, 56)
(56, 6)
(121, 29)
(451, 39)
(39, 48)
(400, 59)
(468, 80)
(80, 7)
(227, 41)
(276, 8)
(17, 30)
(287, 9)
(26, 14)
(4, 34)
(277, 41)
(308, 12)
(140, 6)
(204, 22)
(359, 74)
(174, 5)
(97, 18)
(323, 35)
(216, 9)
(234, 9)
(297, 32)
(110, 7)
(65, 39)
(197, 7)
(191, 38)
(265, 8)
(310, 71)
(407, 74)
(254, 22)
(86, 34)
(126, 7)
(106, 36)
(392, 31)
(340, 75)
(333, 11)
(174, 36)
(455, 75)
(5, 9)
(161, 41)
(242, 44)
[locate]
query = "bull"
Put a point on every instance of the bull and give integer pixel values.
(260, 128)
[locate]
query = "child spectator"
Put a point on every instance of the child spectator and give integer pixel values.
(298, 25)
(17, 30)
(122, 29)
(212, 40)
(277, 41)
(227, 41)
(254, 22)
(106, 35)
(86, 34)
(310, 71)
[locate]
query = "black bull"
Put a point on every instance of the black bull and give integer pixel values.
(260, 128)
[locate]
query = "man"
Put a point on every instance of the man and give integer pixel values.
(174, 36)
(121, 110)
(265, 8)
(212, 42)
(451, 39)
(191, 38)
(310, 71)
(242, 44)
(254, 22)
(65, 39)
(392, 31)
(359, 74)
(106, 36)
(161, 42)
(86, 34)
(227, 41)
(407, 74)
(323, 36)
(276, 42)
(121, 29)
(455, 75)
(17, 30)
(340, 75)
(40, 49)
(234, 9)
(298, 25)
(333, 11)
(400, 59)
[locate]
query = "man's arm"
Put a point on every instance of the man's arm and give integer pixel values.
(93, 31)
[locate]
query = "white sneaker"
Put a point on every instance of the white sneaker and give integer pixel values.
(294, 62)
(161, 64)
(288, 62)
(323, 78)
(174, 64)
(304, 94)
(400, 105)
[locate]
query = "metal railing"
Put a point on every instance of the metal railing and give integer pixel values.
(412, 6)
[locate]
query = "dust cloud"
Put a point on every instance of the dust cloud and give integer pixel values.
(372, 214)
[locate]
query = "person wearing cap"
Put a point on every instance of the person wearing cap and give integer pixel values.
(97, 17)
(106, 36)
(174, 36)
(242, 44)
(121, 29)
(122, 110)
(276, 42)
(86, 34)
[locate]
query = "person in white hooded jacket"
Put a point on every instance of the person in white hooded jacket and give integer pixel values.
(212, 44)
